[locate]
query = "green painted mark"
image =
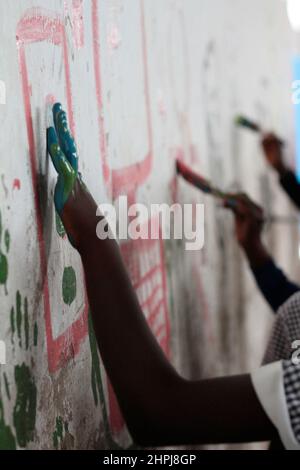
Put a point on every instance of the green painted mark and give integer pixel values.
(59, 226)
(3, 258)
(35, 334)
(97, 386)
(69, 285)
(6, 385)
(19, 316)
(7, 240)
(61, 436)
(7, 439)
(3, 269)
(55, 440)
(59, 427)
(24, 413)
(26, 323)
(12, 324)
(20, 323)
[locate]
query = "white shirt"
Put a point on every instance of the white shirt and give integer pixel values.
(277, 382)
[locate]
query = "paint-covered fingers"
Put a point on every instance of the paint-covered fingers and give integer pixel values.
(66, 174)
(272, 148)
(73, 203)
(58, 158)
(65, 137)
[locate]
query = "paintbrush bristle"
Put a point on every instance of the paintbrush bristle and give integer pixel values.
(245, 122)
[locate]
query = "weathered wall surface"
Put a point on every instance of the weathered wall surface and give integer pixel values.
(144, 82)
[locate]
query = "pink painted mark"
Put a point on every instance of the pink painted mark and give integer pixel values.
(162, 110)
(78, 25)
(129, 178)
(98, 85)
(37, 26)
(144, 258)
(16, 184)
(113, 37)
(126, 179)
(50, 99)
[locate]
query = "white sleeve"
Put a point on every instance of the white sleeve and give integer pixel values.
(268, 382)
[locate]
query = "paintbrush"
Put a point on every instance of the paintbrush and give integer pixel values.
(247, 123)
(203, 184)
(231, 200)
(243, 121)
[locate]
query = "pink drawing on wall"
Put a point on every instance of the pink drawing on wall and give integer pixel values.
(77, 21)
(16, 184)
(37, 26)
(98, 87)
(113, 36)
(144, 259)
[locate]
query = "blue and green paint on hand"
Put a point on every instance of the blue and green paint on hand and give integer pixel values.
(62, 149)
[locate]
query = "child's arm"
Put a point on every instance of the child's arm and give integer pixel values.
(159, 406)
(272, 282)
(272, 147)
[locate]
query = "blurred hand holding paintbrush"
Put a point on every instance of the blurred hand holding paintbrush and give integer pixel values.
(249, 217)
(272, 145)
(232, 201)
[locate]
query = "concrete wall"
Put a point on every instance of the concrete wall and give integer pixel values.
(144, 82)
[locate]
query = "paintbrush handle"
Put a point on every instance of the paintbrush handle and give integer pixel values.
(194, 178)
(203, 184)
